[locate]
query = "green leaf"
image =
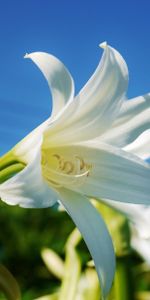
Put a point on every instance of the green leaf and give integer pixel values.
(8, 284)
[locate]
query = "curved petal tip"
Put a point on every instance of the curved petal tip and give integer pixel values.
(26, 55)
(103, 45)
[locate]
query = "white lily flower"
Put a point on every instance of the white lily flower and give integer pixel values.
(71, 156)
(139, 221)
(140, 244)
(131, 130)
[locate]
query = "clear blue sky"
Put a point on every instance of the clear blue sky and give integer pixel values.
(72, 31)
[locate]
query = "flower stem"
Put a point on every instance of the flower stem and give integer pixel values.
(122, 284)
(10, 171)
(9, 166)
(7, 160)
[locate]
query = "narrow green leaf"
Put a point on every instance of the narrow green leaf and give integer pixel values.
(8, 284)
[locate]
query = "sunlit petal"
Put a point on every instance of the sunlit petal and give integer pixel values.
(27, 148)
(141, 246)
(141, 146)
(59, 79)
(113, 173)
(62, 88)
(95, 234)
(96, 106)
(28, 188)
(133, 120)
(139, 221)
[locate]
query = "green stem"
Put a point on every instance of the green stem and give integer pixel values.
(7, 160)
(122, 285)
(9, 166)
(10, 171)
(72, 270)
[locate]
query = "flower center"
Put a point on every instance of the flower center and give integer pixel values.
(59, 170)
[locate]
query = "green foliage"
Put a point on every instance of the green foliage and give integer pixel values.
(76, 284)
(50, 262)
(24, 232)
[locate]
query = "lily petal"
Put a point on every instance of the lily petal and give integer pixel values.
(27, 148)
(141, 146)
(138, 215)
(59, 79)
(141, 246)
(62, 88)
(133, 120)
(139, 218)
(96, 106)
(95, 234)
(113, 173)
(28, 188)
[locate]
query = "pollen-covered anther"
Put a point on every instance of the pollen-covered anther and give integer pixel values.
(60, 171)
(82, 163)
(75, 167)
(68, 167)
(57, 156)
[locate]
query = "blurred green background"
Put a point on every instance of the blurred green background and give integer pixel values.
(25, 232)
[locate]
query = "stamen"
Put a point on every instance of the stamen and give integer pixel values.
(57, 156)
(69, 165)
(67, 173)
(82, 163)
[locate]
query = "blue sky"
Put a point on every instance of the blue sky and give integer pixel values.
(72, 31)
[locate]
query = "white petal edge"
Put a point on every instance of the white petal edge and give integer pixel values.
(141, 246)
(29, 146)
(95, 234)
(62, 88)
(139, 220)
(96, 106)
(141, 146)
(28, 189)
(58, 77)
(133, 120)
(114, 174)
(138, 215)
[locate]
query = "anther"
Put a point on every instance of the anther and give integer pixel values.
(67, 172)
(68, 165)
(57, 156)
(82, 163)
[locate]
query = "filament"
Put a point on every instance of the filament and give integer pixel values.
(67, 172)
